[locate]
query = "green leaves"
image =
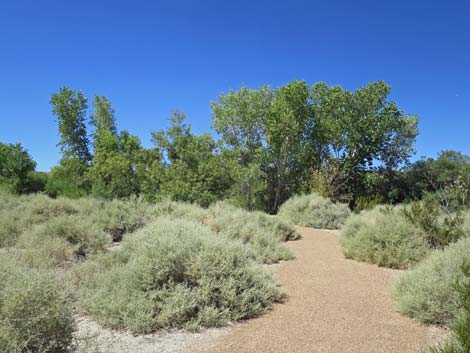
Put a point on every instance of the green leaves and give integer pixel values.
(70, 109)
(15, 165)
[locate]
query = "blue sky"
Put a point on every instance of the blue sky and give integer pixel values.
(152, 57)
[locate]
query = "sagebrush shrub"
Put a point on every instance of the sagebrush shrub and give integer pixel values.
(459, 342)
(35, 314)
(264, 234)
(383, 236)
(118, 217)
(53, 242)
(427, 292)
(174, 273)
(314, 211)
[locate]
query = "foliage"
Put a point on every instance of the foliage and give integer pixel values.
(368, 202)
(115, 163)
(355, 130)
(447, 177)
(60, 238)
(195, 171)
(383, 236)
(427, 292)
(296, 132)
(440, 228)
(68, 179)
(57, 232)
(15, 167)
(175, 274)
(35, 313)
(314, 211)
(262, 233)
(70, 109)
(460, 340)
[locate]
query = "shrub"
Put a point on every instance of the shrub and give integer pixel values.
(182, 210)
(263, 233)
(460, 339)
(118, 217)
(35, 315)
(440, 228)
(368, 202)
(174, 273)
(383, 236)
(314, 211)
(10, 228)
(52, 243)
(427, 292)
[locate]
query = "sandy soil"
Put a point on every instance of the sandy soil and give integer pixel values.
(94, 338)
(333, 305)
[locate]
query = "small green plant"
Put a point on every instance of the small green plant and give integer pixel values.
(440, 228)
(314, 211)
(368, 202)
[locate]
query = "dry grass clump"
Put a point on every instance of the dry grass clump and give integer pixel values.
(35, 314)
(314, 211)
(427, 292)
(383, 236)
(174, 273)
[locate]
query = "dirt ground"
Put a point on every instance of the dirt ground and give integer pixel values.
(333, 305)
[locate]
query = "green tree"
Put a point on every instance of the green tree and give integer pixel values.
(358, 131)
(195, 170)
(115, 170)
(70, 109)
(16, 165)
(103, 119)
(266, 129)
(447, 177)
(69, 177)
(287, 151)
(240, 118)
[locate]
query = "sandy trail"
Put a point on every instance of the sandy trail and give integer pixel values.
(333, 305)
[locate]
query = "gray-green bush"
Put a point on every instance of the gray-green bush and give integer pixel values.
(35, 313)
(314, 211)
(427, 292)
(383, 236)
(174, 273)
(61, 240)
(264, 234)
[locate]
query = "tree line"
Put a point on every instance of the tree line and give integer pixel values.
(352, 147)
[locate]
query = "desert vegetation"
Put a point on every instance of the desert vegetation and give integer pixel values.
(314, 211)
(178, 235)
(130, 264)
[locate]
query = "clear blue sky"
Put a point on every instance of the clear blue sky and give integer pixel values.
(151, 57)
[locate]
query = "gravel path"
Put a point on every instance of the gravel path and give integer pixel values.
(333, 305)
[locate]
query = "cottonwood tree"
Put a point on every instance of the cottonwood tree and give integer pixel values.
(305, 136)
(195, 170)
(118, 159)
(68, 178)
